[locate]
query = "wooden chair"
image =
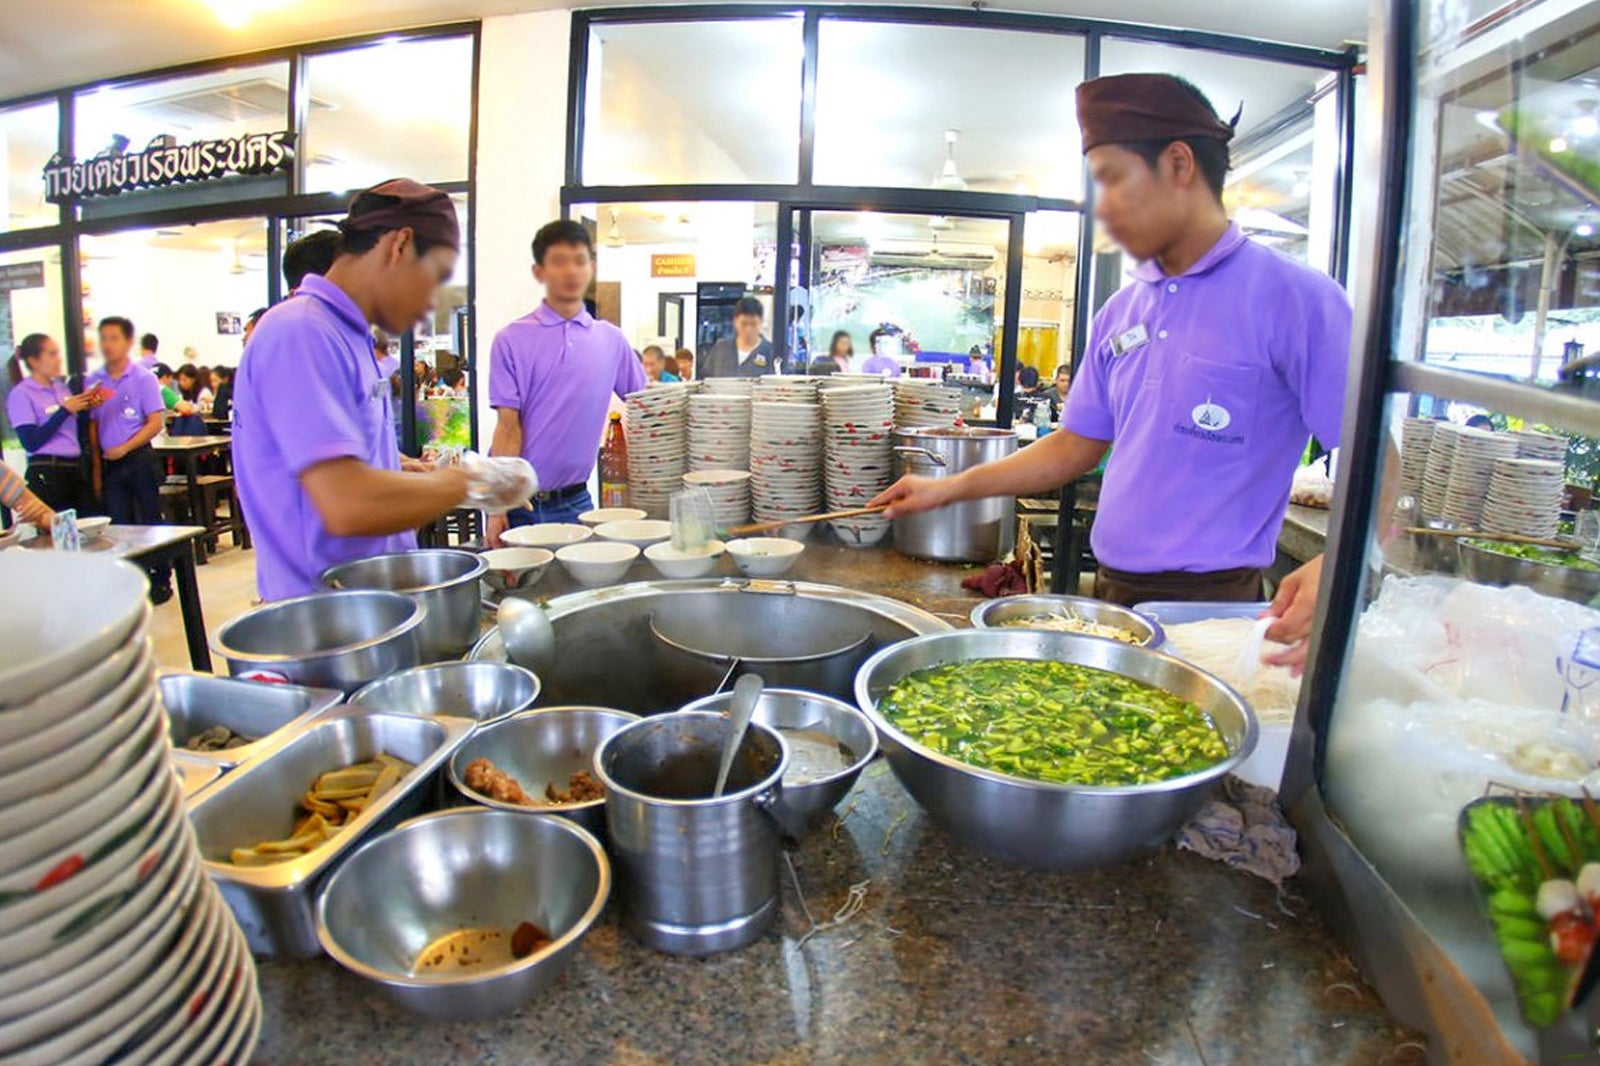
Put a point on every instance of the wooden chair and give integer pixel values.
(215, 490)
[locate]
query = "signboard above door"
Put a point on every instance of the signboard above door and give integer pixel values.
(14, 276)
(165, 162)
(672, 266)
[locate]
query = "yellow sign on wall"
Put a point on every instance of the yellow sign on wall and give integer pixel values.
(672, 266)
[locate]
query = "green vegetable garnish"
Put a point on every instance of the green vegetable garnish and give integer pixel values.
(1056, 722)
(1532, 553)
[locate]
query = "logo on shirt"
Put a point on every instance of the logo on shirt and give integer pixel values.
(1212, 417)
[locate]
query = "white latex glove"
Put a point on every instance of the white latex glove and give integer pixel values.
(499, 483)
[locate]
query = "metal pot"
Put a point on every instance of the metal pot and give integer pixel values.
(696, 875)
(328, 639)
(484, 692)
(443, 580)
(1494, 568)
(1013, 612)
(976, 531)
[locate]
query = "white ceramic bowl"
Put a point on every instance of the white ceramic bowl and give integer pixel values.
(60, 614)
(78, 722)
(516, 568)
(76, 697)
(601, 515)
(550, 535)
(765, 556)
(598, 563)
(640, 532)
(62, 768)
(678, 564)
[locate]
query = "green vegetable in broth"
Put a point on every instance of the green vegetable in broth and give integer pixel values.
(1533, 553)
(1050, 721)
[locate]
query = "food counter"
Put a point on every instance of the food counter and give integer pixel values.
(950, 957)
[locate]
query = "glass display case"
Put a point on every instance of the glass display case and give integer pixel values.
(1450, 736)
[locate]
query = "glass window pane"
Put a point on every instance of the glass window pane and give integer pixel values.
(1049, 274)
(27, 141)
(888, 97)
(693, 102)
(394, 109)
(33, 309)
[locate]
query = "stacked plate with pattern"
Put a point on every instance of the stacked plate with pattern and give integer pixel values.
(114, 945)
(858, 424)
(656, 426)
(919, 402)
(729, 491)
(1531, 444)
(1470, 470)
(1525, 497)
(1415, 436)
(730, 386)
(719, 431)
(779, 388)
(1436, 474)
(785, 462)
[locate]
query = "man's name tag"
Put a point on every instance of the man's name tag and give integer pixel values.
(1129, 339)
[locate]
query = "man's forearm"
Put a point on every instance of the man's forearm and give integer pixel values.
(356, 500)
(146, 434)
(1046, 465)
(507, 440)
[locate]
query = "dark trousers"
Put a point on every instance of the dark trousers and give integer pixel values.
(61, 484)
(1221, 586)
(133, 497)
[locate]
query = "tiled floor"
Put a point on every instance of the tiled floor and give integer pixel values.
(227, 590)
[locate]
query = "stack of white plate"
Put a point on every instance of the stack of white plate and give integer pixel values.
(785, 462)
(1415, 436)
(1531, 444)
(730, 494)
(733, 386)
(114, 945)
(1436, 475)
(925, 403)
(778, 388)
(845, 381)
(1476, 452)
(655, 424)
(1525, 497)
(719, 431)
(859, 433)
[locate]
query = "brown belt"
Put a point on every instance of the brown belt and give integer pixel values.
(1240, 585)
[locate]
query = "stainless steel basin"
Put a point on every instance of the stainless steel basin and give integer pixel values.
(484, 692)
(444, 581)
(1012, 612)
(607, 657)
(196, 702)
(330, 639)
(258, 801)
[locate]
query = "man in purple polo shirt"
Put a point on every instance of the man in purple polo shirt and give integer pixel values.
(1208, 372)
(552, 374)
(128, 418)
(313, 431)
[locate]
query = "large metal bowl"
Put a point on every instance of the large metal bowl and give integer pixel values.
(442, 580)
(1037, 823)
(1492, 568)
(539, 747)
(327, 639)
(809, 803)
(484, 692)
(1009, 612)
(468, 868)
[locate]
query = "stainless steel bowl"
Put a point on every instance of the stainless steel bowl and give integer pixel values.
(442, 580)
(1037, 823)
(539, 747)
(468, 868)
(484, 692)
(197, 702)
(808, 803)
(336, 640)
(1492, 568)
(1009, 611)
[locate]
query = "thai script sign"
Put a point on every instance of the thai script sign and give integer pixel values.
(164, 162)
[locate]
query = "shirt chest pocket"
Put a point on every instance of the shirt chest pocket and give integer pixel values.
(1212, 405)
(374, 408)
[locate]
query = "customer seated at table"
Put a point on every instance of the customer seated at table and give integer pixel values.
(45, 414)
(24, 505)
(842, 351)
(312, 254)
(655, 364)
(222, 393)
(683, 363)
(194, 384)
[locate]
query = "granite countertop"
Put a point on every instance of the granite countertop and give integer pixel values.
(953, 958)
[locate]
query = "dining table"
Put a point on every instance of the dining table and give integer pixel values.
(188, 451)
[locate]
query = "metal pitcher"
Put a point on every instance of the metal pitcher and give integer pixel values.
(977, 531)
(696, 875)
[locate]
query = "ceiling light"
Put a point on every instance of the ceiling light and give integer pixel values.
(236, 14)
(1586, 126)
(949, 178)
(1558, 145)
(614, 234)
(1301, 189)
(1584, 229)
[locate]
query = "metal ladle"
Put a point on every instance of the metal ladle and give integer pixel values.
(746, 694)
(526, 633)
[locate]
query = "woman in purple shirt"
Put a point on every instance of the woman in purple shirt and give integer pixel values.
(45, 414)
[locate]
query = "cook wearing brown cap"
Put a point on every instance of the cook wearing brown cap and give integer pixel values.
(1209, 371)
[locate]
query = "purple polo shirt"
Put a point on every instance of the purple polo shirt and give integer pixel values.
(1208, 385)
(307, 390)
(561, 374)
(881, 364)
(32, 404)
(137, 397)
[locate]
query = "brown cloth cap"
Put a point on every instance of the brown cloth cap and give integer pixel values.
(1145, 107)
(426, 211)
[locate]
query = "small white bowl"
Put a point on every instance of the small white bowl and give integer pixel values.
(765, 556)
(677, 564)
(600, 516)
(550, 535)
(599, 563)
(91, 525)
(516, 568)
(640, 532)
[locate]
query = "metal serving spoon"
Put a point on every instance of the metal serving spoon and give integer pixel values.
(746, 694)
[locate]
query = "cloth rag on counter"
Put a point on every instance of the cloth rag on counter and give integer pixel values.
(1243, 827)
(1000, 579)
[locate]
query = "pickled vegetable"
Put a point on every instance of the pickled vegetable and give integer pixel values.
(1533, 553)
(1056, 722)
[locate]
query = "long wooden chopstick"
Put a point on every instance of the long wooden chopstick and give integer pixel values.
(1509, 538)
(767, 527)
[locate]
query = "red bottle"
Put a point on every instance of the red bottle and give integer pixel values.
(614, 465)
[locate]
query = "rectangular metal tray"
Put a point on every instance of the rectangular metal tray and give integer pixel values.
(196, 702)
(258, 801)
(195, 774)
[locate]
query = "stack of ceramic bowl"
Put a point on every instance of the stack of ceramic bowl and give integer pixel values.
(1476, 452)
(785, 461)
(925, 403)
(1525, 497)
(729, 491)
(1415, 435)
(657, 433)
(776, 388)
(859, 434)
(719, 431)
(728, 386)
(1436, 474)
(1531, 444)
(114, 946)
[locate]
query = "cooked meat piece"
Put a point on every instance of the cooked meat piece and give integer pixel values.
(581, 788)
(526, 939)
(485, 777)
